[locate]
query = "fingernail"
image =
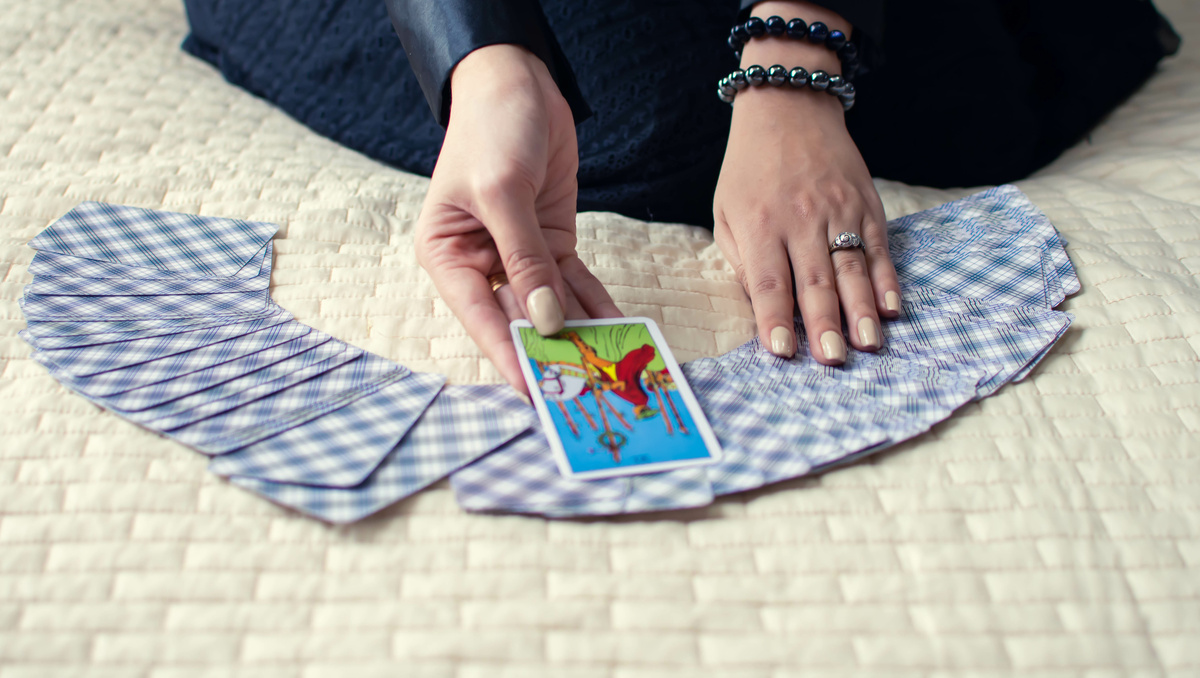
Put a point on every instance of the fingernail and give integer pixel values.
(525, 399)
(892, 301)
(783, 342)
(833, 346)
(868, 333)
(544, 311)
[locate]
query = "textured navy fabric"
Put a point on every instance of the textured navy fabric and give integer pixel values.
(648, 69)
(966, 93)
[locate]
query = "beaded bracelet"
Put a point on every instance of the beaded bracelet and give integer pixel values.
(778, 76)
(796, 29)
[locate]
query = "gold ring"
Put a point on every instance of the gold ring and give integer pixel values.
(497, 280)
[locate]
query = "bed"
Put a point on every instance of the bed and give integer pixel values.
(1051, 530)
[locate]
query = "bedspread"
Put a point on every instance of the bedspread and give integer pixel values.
(1051, 530)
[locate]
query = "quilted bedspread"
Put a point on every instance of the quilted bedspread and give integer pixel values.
(1051, 530)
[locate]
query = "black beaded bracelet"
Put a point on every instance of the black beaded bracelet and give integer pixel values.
(778, 76)
(796, 29)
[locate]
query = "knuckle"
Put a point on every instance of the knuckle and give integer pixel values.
(804, 206)
(757, 219)
(862, 309)
(876, 251)
(815, 279)
(572, 268)
(422, 256)
(521, 263)
(768, 283)
(499, 183)
(837, 194)
(849, 265)
(426, 252)
(739, 274)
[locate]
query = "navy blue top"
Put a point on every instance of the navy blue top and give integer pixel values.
(967, 93)
(437, 35)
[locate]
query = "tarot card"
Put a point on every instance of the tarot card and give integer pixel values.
(612, 399)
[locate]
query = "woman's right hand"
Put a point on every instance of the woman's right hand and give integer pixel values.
(502, 200)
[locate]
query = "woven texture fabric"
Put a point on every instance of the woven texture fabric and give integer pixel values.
(1051, 530)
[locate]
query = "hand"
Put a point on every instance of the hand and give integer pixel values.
(502, 200)
(791, 181)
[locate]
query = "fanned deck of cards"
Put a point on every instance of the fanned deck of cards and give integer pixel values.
(979, 276)
(166, 320)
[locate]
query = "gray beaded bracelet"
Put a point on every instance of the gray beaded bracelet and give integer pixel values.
(778, 76)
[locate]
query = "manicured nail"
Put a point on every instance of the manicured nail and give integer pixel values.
(833, 346)
(544, 311)
(525, 399)
(783, 342)
(868, 333)
(892, 301)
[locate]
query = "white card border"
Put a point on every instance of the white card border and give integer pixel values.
(685, 391)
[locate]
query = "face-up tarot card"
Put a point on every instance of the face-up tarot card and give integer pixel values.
(612, 399)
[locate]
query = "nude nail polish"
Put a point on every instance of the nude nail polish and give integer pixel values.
(891, 300)
(525, 399)
(833, 346)
(783, 342)
(544, 311)
(868, 333)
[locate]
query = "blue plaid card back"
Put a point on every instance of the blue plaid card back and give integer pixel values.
(1007, 349)
(107, 309)
(128, 378)
(313, 354)
(93, 287)
(59, 342)
(1011, 276)
(522, 477)
(463, 424)
(75, 332)
(51, 265)
(341, 448)
(87, 361)
(273, 414)
(166, 241)
(997, 218)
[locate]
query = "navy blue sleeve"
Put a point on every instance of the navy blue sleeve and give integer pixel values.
(437, 34)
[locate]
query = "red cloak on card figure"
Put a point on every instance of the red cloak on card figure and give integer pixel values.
(624, 377)
(628, 373)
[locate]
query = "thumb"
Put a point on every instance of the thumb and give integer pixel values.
(531, 269)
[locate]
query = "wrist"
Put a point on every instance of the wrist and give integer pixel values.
(789, 55)
(498, 70)
(786, 108)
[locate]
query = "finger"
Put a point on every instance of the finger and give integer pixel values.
(468, 294)
(885, 285)
(527, 261)
(857, 299)
(818, 299)
(588, 289)
(574, 309)
(767, 278)
(508, 302)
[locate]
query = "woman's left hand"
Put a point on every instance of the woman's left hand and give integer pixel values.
(791, 181)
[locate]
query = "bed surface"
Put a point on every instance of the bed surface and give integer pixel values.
(1052, 530)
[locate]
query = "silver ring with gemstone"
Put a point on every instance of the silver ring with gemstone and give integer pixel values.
(846, 241)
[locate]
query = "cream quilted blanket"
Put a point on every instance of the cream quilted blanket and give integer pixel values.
(1053, 530)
